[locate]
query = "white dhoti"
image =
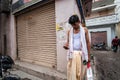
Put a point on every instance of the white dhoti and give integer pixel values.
(75, 68)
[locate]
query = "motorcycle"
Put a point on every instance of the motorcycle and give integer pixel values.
(99, 46)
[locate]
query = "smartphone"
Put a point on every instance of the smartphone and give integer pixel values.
(65, 47)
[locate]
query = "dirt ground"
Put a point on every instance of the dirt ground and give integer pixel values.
(107, 65)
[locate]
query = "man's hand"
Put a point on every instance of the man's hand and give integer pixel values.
(89, 58)
(66, 46)
(88, 43)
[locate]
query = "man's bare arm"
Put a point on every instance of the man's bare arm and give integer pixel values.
(87, 41)
(66, 46)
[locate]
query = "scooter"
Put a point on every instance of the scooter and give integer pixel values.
(7, 63)
(99, 46)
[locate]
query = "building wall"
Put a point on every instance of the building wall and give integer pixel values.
(12, 37)
(101, 13)
(118, 30)
(63, 12)
(4, 34)
(8, 31)
(112, 29)
(117, 11)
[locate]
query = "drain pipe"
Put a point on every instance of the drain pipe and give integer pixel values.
(79, 3)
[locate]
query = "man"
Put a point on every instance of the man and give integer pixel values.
(78, 45)
(115, 44)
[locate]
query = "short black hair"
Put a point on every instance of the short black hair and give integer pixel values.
(116, 36)
(73, 19)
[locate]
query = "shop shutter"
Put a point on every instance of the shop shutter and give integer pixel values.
(36, 36)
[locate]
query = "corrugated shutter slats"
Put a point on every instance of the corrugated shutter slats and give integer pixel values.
(36, 36)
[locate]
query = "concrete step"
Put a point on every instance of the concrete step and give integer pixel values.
(23, 75)
(40, 71)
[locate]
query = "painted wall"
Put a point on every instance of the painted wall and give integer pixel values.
(10, 32)
(113, 31)
(118, 30)
(12, 37)
(64, 9)
(117, 9)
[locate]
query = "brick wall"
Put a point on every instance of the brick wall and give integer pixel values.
(98, 37)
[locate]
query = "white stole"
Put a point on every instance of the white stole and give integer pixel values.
(83, 42)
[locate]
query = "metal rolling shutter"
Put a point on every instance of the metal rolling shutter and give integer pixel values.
(36, 36)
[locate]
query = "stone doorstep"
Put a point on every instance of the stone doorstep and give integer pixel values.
(40, 71)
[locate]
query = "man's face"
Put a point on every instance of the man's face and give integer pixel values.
(76, 25)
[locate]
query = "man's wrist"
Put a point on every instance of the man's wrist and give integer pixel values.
(89, 58)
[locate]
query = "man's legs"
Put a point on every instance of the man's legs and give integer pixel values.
(69, 66)
(75, 68)
(119, 49)
(78, 66)
(116, 48)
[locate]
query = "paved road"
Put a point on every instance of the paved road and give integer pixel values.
(107, 65)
